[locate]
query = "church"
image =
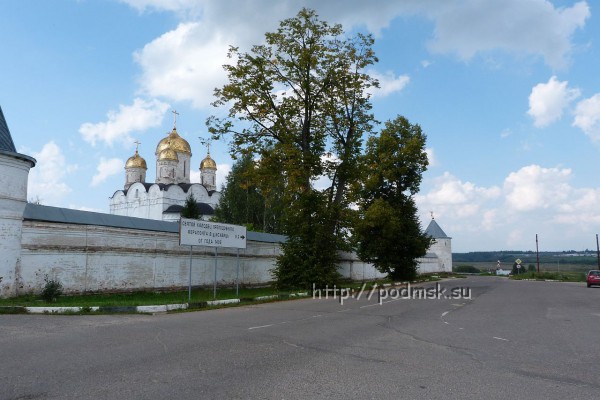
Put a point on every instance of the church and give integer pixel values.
(164, 199)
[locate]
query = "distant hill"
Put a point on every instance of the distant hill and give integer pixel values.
(583, 257)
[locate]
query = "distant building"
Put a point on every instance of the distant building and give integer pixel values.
(439, 254)
(164, 199)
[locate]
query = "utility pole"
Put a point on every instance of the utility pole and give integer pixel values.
(537, 253)
(597, 251)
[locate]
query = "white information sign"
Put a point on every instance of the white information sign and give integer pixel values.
(195, 232)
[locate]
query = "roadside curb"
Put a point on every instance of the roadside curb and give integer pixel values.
(150, 309)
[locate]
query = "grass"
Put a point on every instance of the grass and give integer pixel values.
(145, 298)
(566, 276)
(142, 298)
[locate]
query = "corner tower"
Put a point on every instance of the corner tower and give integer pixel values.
(441, 246)
(14, 174)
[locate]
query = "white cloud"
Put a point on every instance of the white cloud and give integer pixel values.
(388, 83)
(185, 64)
(534, 187)
(533, 199)
(107, 168)
(516, 26)
(46, 179)
(505, 133)
(547, 101)
(141, 115)
(165, 5)
(433, 162)
(450, 195)
(587, 117)
(222, 171)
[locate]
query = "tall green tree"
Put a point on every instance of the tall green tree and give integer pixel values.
(301, 101)
(388, 231)
(246, 200)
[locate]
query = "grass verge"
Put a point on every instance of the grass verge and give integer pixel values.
(554, 276)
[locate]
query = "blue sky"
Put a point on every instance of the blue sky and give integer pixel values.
(507, 92)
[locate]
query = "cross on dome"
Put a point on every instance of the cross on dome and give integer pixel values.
(175, 114)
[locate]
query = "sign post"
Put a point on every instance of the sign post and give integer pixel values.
(190, 278)
(195, 232)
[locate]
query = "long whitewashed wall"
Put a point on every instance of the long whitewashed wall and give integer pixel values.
(89, 258)
(93, 258)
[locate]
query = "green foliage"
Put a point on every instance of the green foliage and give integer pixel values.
(310, 254)
(546, 257)
(388, 232)
(190, 208)
(518, 271)
(555, 276)
(246, 200)
(467, 269)
(52, 289)
(531, 268)
(300, 103)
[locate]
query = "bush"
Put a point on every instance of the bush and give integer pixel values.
(52, 289)
(466, 269)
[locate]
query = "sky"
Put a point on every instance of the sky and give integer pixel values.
(507, 92)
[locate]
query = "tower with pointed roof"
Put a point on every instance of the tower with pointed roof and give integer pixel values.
(439, 254)
(14, 174)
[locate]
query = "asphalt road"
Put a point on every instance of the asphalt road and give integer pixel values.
(516, 340)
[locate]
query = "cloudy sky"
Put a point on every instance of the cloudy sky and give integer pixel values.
(508, 93)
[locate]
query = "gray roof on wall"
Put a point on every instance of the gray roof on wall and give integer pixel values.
(6, 142)
(36, 212)
(435, 231)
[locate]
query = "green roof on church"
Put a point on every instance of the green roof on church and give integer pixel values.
(6, 142)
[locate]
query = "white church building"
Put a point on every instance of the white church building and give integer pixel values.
(164, 199)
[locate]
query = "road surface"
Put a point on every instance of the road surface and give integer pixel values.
(534, 340)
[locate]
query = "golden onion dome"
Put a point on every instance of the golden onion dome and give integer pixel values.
(174, 142)
(208, 163)
(136, 161)
(168, 154)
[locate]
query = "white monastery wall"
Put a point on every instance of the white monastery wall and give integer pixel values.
(97, 258)
(93, 258)
(353, 268)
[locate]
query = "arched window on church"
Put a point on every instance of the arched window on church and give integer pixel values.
(137, 193)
